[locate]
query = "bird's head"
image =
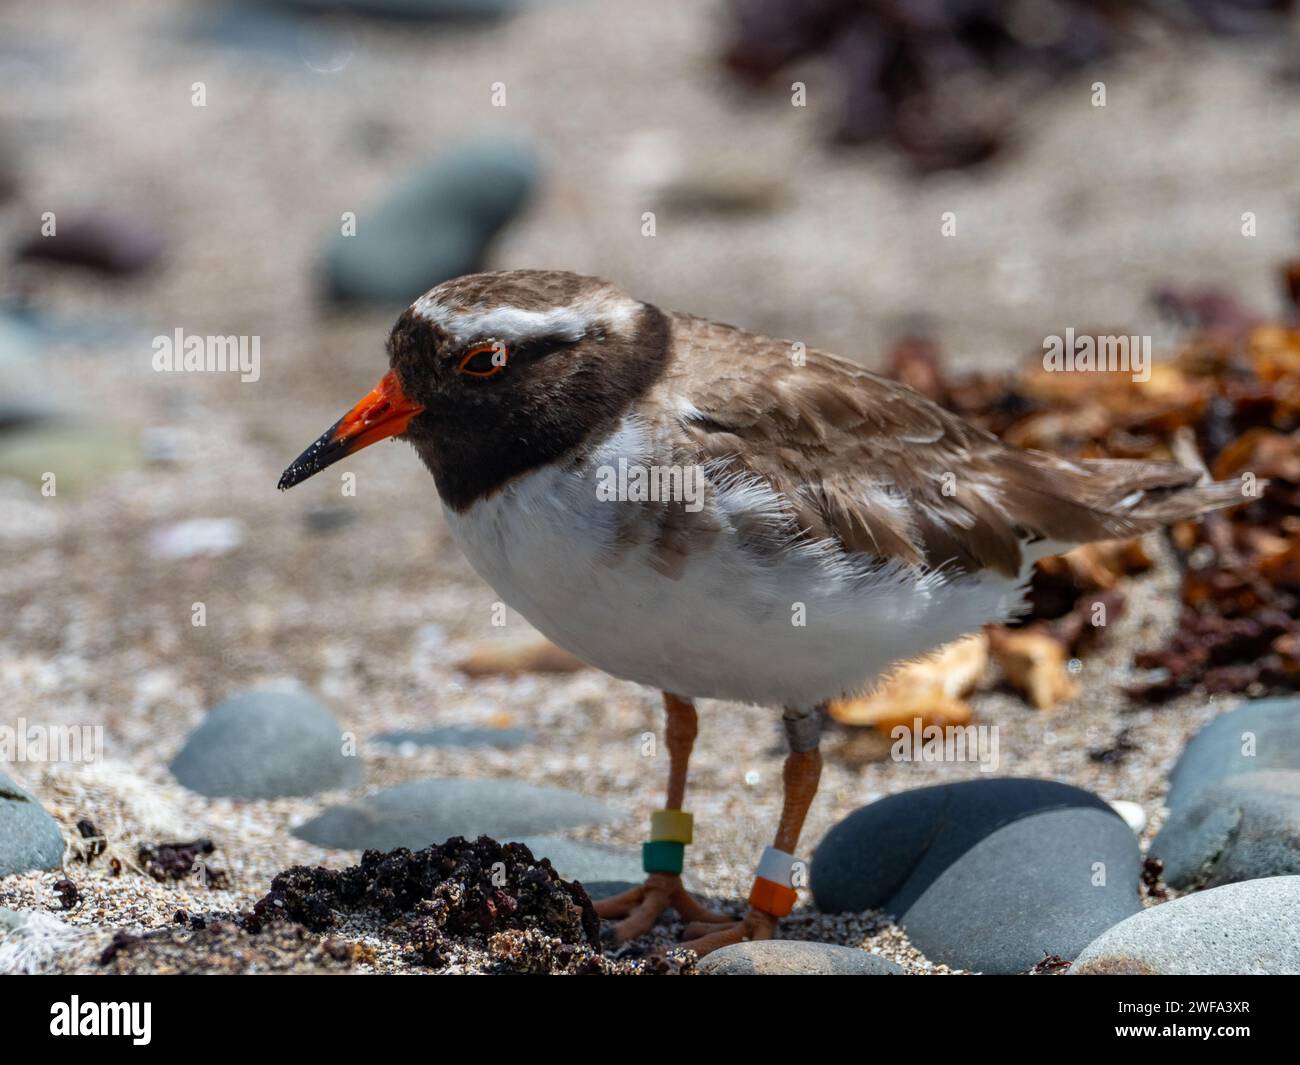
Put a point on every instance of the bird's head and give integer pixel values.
(493, 374)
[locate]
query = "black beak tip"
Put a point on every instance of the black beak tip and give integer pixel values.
(290, 477)
(325, 451)
(301, 468)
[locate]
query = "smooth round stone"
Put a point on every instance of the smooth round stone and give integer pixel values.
(436, 226)
(266, 744)
(425, 812)
(986, 875)
(1241, 828)
(1250, 928)
(791, 957)
(29, 837)
(1256, 737)
(1029, 889)
(260, 29)
(451, 736)
(885, 855)
(588, 862)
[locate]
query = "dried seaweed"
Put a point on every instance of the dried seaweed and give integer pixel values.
(1153, 879)
(1050, 965)
(1230, 398)
(944, 82)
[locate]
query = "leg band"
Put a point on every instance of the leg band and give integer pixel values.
(676, 826)
(662, 856)
(776, 866)
(772, 892)
(670, 831)
(803, 729)
(772, 898)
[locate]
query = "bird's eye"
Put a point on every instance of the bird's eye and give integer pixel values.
(484, 360)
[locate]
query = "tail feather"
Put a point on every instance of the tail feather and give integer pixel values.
(1152, 494)
(1065, 503)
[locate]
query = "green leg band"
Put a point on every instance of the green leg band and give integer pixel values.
(662, 856)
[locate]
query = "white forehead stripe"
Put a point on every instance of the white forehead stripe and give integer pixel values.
(506, 323)
(515, 324)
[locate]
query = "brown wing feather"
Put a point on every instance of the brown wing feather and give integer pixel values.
(869, 463)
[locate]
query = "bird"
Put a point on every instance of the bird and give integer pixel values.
(722, 515)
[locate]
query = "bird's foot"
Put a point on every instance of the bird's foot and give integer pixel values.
(703, 937)
(640, 907)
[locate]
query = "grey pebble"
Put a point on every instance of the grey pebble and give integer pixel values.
(1255, 737)
(29, 837)
(266, 744)
(1241, 828)
(1250, 928)
(987, 875)
(424, 812)
(451, 736)
(435, 226)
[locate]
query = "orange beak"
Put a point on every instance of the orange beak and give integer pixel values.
(384, 412)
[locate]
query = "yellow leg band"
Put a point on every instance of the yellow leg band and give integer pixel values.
(672, 826)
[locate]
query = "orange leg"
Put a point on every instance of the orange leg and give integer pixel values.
(802, 772)
(640, 907)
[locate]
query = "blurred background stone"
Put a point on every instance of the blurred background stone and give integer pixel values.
(265, 744)
(423, 812)
(29, 837)
(438, 224)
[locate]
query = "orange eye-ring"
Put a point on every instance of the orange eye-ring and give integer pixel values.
(484, 360)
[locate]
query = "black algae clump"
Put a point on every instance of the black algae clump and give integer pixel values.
(495, 896)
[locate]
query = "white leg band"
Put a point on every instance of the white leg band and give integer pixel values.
(776, 866)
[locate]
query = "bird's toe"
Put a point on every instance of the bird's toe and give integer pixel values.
(704, 937)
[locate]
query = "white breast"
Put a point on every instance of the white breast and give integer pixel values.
(793, 632)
